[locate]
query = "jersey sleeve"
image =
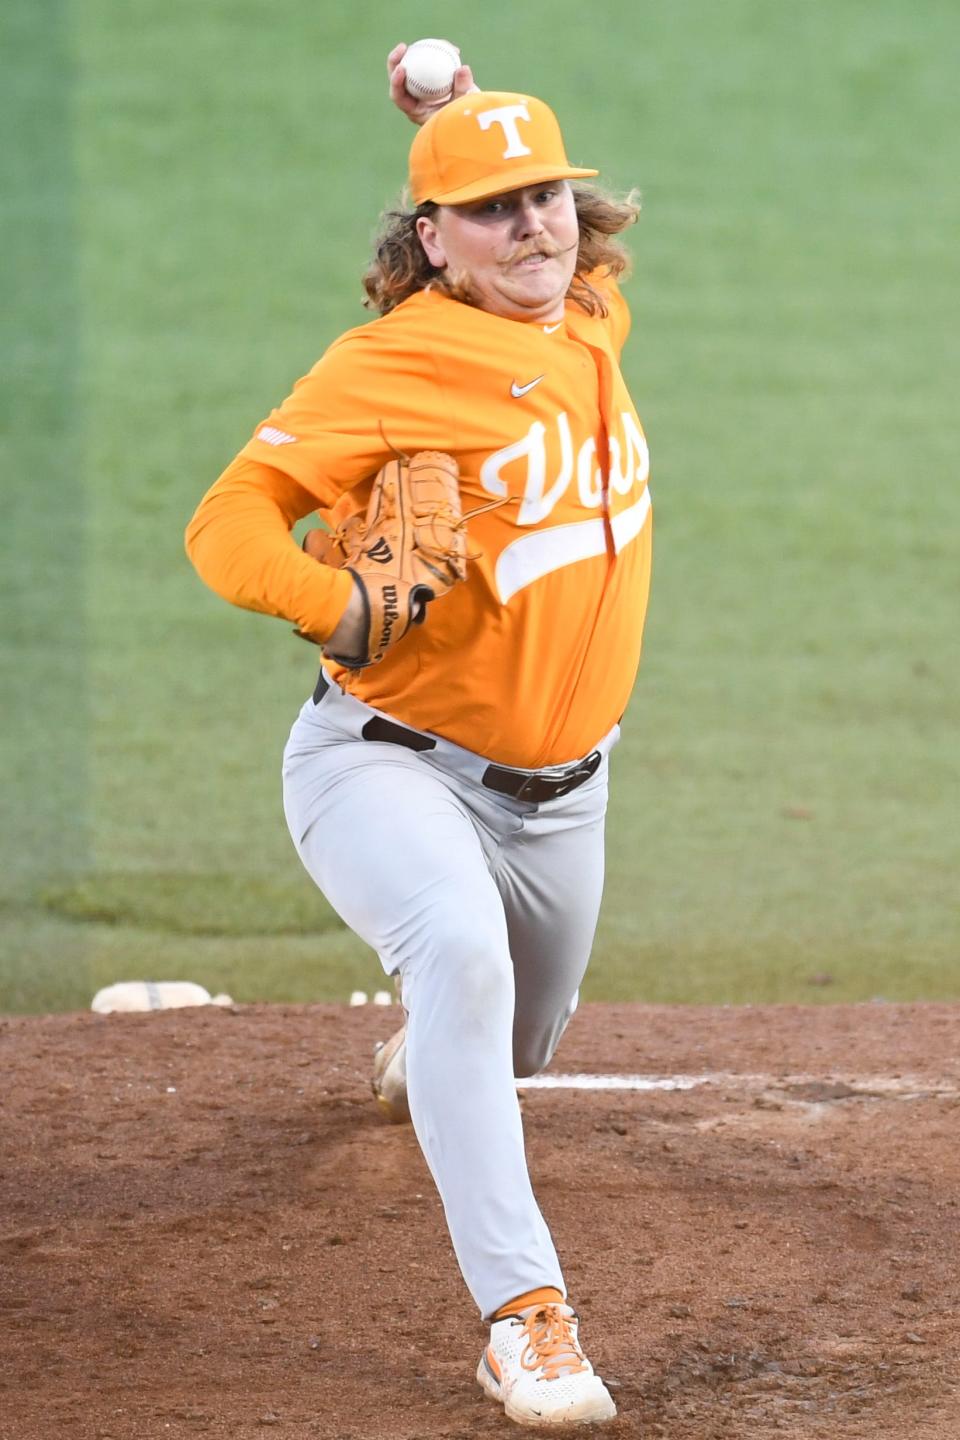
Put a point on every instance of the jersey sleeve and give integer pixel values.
(240, 544)
(617, 320)
(375, 390)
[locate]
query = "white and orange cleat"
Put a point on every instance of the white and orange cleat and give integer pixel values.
(535, 1368)
(389, 1083)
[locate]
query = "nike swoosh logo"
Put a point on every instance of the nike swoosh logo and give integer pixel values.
(518, 390)
(549, 329)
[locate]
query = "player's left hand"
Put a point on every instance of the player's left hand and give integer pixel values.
(420, 110)
(408, 551)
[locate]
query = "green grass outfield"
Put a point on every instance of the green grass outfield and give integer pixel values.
(185, 214)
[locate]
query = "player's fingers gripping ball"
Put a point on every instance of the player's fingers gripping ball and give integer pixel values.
(430, 66)
(410, 549)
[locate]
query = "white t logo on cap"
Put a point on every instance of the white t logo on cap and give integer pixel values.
(507, 116)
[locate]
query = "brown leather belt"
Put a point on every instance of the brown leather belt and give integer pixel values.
(534, 786)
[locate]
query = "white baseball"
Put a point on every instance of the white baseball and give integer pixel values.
(430, 66)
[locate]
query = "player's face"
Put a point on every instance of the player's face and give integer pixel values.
(517, 252)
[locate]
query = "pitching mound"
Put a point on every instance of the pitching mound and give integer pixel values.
(207, 1230)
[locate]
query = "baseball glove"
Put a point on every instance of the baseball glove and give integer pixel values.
(409, 549)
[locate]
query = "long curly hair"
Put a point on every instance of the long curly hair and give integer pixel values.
(400, 266)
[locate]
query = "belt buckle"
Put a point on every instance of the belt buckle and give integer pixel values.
(553, 787)
(526, 789)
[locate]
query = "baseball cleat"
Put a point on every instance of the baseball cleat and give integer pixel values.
(389, 1083)
(535, 1368)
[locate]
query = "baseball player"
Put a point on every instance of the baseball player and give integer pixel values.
(445, 785)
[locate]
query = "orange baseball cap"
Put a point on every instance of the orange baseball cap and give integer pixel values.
(484, 144)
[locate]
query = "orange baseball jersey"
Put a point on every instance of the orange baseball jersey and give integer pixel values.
(531, 660)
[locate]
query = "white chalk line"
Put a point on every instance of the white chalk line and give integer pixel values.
(900, 1087)
(611, 1082)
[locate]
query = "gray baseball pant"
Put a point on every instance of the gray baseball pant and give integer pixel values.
(487, 907)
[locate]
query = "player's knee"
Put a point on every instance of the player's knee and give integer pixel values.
(469, 968)
(531, 1054)
(534, 1045)
(483, 978)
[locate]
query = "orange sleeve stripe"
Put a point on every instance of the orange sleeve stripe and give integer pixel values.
(240, 544)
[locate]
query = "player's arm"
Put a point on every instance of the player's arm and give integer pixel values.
(240, 544)
(617, 319)
(420, 110)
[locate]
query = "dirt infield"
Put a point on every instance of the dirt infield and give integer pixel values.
(207, 1230)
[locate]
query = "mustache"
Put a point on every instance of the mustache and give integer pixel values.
(540, 247)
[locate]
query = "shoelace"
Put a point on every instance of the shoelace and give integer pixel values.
(551, 1344)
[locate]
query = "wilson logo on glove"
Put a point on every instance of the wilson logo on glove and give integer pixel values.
(380, 552)
(390, 614)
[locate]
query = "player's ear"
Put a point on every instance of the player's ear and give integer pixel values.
(429, 233)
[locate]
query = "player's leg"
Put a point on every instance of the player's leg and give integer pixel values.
(551, 880)
(399, 857)
(550, 876)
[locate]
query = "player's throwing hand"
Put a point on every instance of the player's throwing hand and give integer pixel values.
(414, 108)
